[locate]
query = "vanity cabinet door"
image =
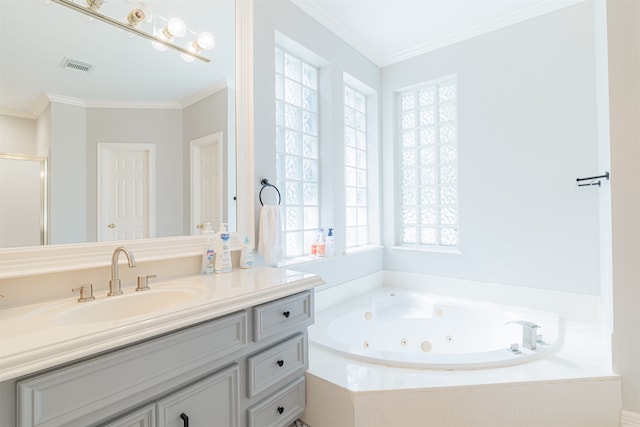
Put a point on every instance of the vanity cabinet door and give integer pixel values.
(143, 417)
(212, 401)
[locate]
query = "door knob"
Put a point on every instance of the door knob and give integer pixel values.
(200, 226)
(111, 226)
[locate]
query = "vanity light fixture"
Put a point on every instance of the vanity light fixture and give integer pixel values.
(161, 38)
(95, 4)
(140, 13)
(205, 41)
(175, 28)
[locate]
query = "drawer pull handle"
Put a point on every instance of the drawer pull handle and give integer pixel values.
(280, 363)
(185, 419)
(286, 314)
(280, 409)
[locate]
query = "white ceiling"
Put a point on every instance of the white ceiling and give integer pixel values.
(388, 31)
(34, 38)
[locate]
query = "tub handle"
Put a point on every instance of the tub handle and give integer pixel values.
(529, 334)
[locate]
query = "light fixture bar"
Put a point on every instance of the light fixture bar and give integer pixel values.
(109, 20)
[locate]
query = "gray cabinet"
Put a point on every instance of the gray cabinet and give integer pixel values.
(280, 409)
(143, 417)
(204, 375)
(212, 401)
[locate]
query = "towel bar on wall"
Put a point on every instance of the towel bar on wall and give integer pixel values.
(592, 180)
(265, 183)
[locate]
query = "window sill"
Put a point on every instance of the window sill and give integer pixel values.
(437, 250)
(365, 248)
(312, 258)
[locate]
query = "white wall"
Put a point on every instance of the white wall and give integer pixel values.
(527, 130)
(68, 161)
(271, 16)
(624, 104)
(17, 135)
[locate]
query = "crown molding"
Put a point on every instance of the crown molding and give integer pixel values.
(313, 9)
(481, 28)
(328, 20)
(226, 83)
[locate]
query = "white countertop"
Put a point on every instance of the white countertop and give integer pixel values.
(33, 337)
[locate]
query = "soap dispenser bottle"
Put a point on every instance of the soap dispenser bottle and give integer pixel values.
(330, 246)
(223, 254)
(208, 253)
(246, 254)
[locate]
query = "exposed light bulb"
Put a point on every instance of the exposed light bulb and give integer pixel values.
(206, 41)
(176, 28)
(191, 47)
(160, 34)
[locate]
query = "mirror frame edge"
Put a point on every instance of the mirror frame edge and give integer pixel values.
(28, 261)
(244, 120)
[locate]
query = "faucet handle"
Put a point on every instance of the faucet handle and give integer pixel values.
(86, 292)
(143, 282)
(530, 337)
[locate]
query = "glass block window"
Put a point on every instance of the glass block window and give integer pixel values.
(427, 126)
(297, 166)
(355, 161)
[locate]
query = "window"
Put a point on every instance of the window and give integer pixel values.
(355, 161)
(297, 150)
(427, 125)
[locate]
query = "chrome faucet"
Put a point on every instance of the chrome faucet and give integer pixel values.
(530, 336)
(114, 284)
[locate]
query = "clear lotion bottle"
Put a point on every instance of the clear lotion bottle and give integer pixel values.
(208, 254)
(246, 254)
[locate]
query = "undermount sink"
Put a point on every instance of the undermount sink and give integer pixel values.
(104, 309)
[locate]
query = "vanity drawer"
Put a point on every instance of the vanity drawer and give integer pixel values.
(279, 410)
(266, 369)
(282, 315)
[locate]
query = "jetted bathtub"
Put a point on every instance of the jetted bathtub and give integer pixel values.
(404, 328)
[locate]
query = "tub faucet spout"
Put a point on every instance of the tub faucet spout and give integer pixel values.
(529, 333)
(115, 287)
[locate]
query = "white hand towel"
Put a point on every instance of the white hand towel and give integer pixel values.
(270, 235)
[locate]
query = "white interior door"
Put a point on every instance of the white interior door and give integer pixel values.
(206, 182)
(126, 196)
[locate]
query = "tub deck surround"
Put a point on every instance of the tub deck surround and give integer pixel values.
(37, 336)
(574, 386)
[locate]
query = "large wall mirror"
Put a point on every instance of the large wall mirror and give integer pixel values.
(134, 100)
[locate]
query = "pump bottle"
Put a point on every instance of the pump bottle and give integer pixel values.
(223, 254)
(246, 254)
(208, 254)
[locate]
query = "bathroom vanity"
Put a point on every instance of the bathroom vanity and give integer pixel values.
(232, 353)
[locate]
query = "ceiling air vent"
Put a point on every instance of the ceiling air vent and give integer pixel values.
(76, 65)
